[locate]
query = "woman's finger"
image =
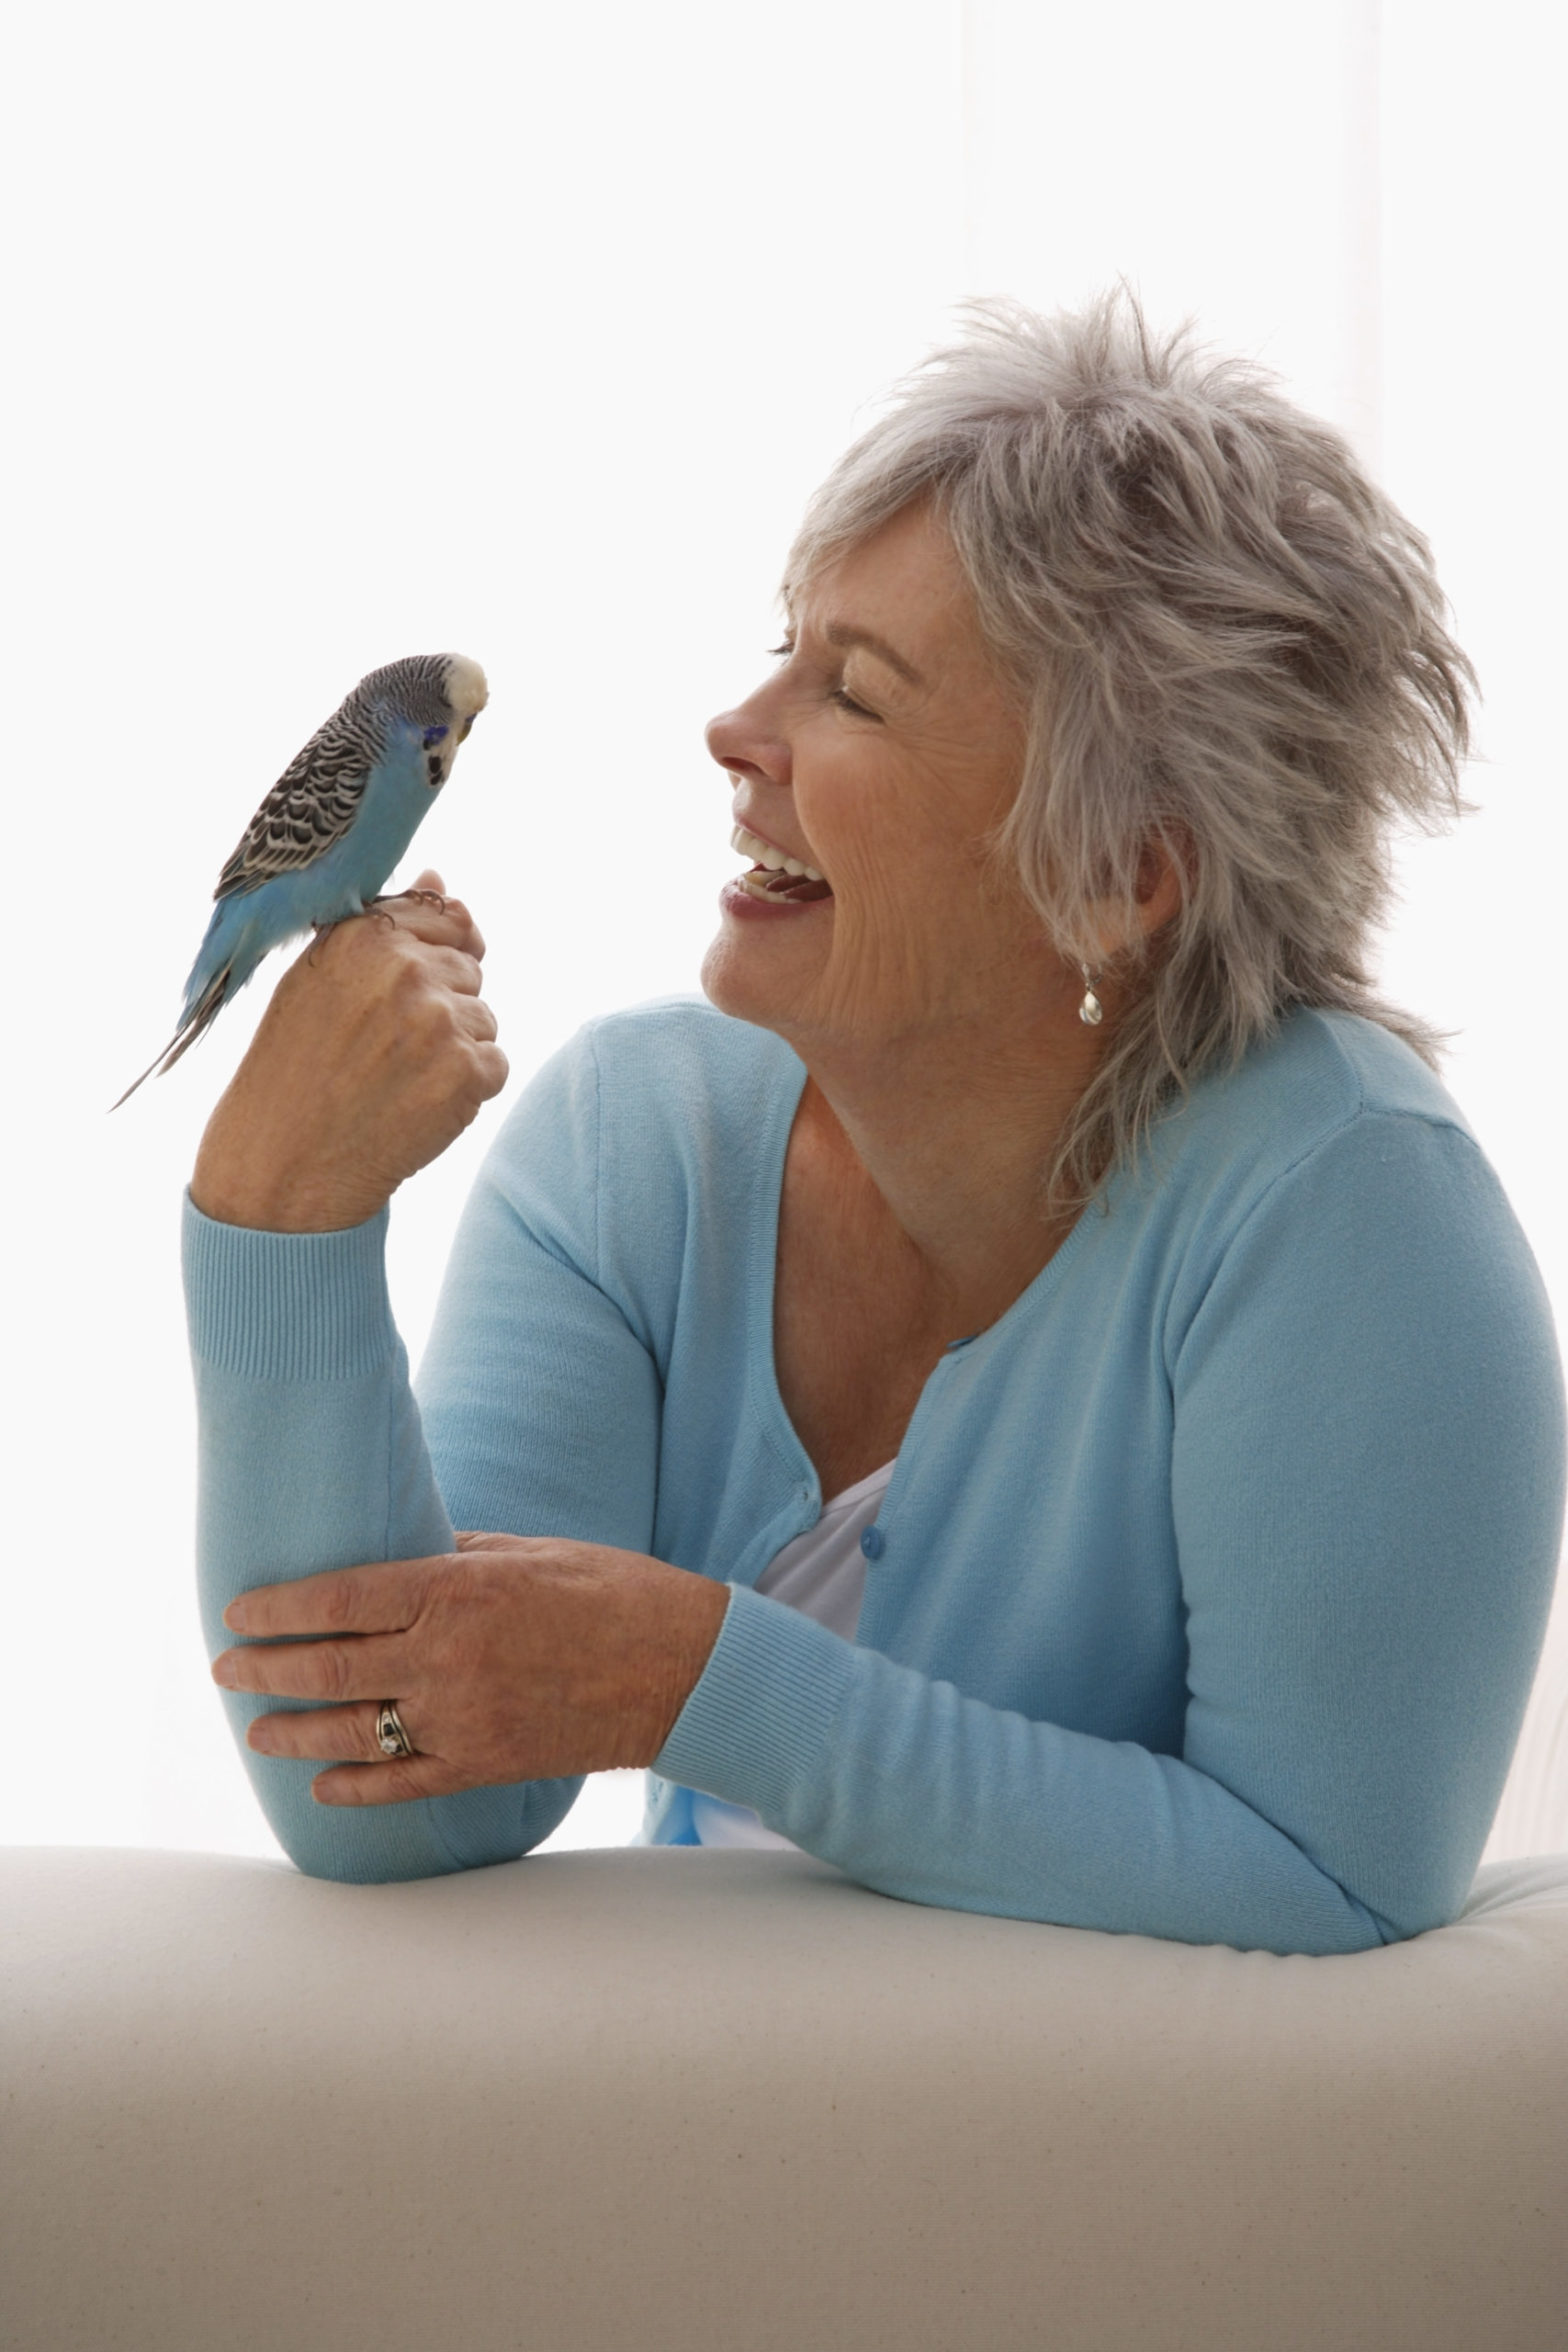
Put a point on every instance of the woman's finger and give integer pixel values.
(491, 1070)
(383, 1596)
(448, 925)
(455, 969)
(368, 1667)
(446, 920)
(333, 1734)
(477, 1020)
(402, 1782)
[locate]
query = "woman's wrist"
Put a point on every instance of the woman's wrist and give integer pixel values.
(260, 1168)
(690, 1630)
(277, 1204)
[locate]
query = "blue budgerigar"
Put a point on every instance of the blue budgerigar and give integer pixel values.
(333, 826)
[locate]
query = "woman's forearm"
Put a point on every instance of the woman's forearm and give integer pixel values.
(311, 1456)
(914, 1789)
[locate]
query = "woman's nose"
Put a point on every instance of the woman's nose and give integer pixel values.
(740, 744)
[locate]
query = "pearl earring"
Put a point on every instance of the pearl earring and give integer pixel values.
(1091, 1010)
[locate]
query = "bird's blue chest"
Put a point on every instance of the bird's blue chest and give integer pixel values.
(397, 796)
(331, 887)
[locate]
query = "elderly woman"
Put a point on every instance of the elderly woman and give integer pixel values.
(1030, 1393)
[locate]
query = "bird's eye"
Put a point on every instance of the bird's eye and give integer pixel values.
(435, 735)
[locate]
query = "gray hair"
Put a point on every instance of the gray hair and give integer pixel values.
(1227, 641)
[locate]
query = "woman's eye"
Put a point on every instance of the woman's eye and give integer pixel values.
(835, 693)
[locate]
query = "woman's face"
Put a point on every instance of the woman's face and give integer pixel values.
(882, 752)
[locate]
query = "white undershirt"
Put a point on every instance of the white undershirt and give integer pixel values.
(823, 1575)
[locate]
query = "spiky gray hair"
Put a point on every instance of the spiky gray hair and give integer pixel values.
(1227, 640)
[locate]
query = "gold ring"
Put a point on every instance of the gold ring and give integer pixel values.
(391, 1738)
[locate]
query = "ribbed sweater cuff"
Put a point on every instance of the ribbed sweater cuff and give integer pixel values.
(757, 1728)
(287, 1306)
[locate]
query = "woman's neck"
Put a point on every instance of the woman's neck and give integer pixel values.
(955, 1132)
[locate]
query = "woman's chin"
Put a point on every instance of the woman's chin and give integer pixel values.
(764, 959)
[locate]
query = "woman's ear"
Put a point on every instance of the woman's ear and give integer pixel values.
(1159, 888)
(1157, 898)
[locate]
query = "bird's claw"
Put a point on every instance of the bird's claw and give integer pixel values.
(431, 898)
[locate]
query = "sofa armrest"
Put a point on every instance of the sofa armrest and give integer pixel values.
(668, 2098)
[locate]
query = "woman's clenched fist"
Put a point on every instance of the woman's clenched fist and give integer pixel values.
(374, 1054)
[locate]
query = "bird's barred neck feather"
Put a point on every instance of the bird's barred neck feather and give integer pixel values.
(318, 795)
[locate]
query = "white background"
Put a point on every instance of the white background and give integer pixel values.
(340, 332)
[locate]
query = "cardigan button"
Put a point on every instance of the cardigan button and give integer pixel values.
(873, 1543)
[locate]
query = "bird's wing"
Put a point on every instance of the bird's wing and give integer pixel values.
(312, 804)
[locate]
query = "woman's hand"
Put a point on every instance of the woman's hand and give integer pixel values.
(374, 1054)
(513, 1658)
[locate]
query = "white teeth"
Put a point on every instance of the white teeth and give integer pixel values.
(762, 853)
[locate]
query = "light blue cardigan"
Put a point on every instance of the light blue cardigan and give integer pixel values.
(1206, 1595)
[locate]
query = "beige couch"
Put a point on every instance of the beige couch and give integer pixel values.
(630, 2100)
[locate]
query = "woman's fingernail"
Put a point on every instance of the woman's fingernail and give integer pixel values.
(223, 1672)
(234, 1616)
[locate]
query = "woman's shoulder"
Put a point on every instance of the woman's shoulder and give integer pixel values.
(681, 1085)
(1330, 1186)
(642, 1117)
(1319, 1077)
(1352, 1066)
(683, 1048)
(1331, 1106)
(661, 1065)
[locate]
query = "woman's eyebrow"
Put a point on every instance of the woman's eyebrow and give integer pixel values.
(839, 633)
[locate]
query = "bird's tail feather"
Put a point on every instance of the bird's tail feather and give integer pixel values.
(199, 1019)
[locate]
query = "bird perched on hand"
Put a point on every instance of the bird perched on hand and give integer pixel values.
(333, 826)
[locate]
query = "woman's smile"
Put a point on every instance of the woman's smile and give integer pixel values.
(748, 898)
(773, 877)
